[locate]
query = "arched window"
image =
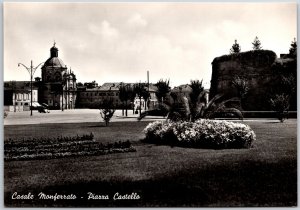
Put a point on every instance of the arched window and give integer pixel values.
(57, 76)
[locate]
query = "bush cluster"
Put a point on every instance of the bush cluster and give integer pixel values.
(203, 133)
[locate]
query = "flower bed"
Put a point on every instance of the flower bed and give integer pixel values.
(46, 148)
(217, 134)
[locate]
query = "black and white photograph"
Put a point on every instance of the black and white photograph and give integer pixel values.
(150, 104)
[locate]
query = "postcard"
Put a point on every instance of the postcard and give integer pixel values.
(150, 104)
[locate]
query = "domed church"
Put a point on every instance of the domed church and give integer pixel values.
(58, 88)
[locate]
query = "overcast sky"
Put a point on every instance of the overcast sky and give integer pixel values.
(115, 42)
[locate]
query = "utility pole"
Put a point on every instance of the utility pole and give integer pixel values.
(148, 90)
(14, 87)
(31, 70)
(148, 80)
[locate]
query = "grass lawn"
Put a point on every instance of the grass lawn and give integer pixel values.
(265, 175)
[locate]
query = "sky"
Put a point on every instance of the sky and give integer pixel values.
(120, 42)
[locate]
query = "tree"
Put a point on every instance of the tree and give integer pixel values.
(195, 96)
(293, 49)
(280, 103)
(242, 88)
(131, 96)
(163, 89)
(235, 48)
(139, 89)
(146, 96)
(256, 44)
(107, 110)
(289, 84)
(122, 96)
(216, 107)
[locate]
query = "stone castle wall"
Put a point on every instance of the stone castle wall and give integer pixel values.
(259, 68)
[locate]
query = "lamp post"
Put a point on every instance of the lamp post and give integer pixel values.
(64, 82)
(31, 70)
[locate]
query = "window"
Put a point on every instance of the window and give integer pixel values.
(58, 77)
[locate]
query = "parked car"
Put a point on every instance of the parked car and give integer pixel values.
(46, 107)
(41, 108)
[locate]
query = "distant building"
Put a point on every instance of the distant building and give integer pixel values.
(94, 97)
(58, 85)
(17, 95)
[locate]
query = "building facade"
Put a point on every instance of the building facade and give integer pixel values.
(17, 96)
(58, 85)
(94, 97)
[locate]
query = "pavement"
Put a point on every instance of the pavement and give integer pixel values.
(90, 115)
(68, 116)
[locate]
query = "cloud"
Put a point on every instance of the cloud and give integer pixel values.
(120, 42)
(136, 20)
(104, 29)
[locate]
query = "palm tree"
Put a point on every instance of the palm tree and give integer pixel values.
(180, 109)
(196, 95)
(217, 106)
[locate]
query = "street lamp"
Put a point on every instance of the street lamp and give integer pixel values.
(31, 70)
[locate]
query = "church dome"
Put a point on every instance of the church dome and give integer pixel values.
(55, 62)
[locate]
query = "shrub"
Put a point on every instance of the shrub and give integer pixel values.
(281, 103)
(107, 111)
(202, 133)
